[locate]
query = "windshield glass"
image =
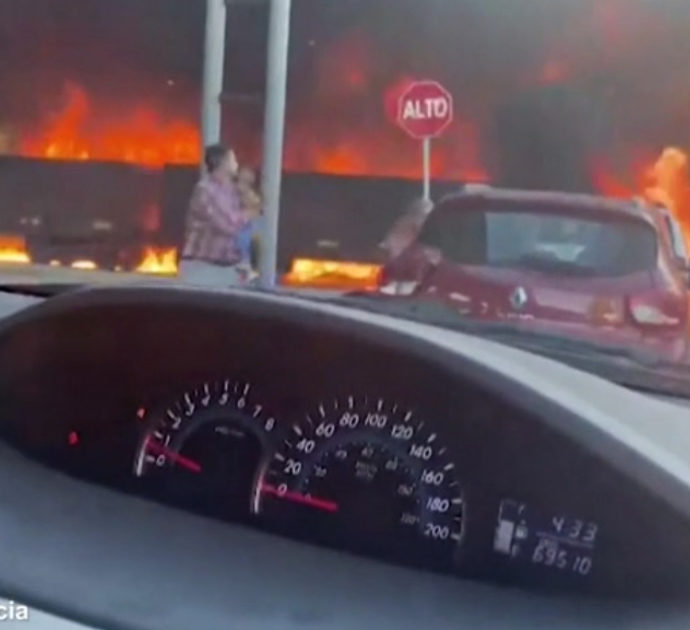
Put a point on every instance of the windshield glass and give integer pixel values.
(480, 155)
(548, 240)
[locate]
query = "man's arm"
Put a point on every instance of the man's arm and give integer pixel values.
(402, 234)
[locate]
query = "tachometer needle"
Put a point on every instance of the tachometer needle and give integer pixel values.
(185, 462)
(296, 497)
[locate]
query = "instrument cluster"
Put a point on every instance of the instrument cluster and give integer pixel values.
(350, 436)
(358, 471)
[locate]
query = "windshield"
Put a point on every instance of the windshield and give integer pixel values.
(549, 240)
(477, 154)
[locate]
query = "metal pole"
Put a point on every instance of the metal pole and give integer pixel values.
(274, 128)
(214, 57)
(426, 161)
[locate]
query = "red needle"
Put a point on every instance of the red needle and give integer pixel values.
(185, 462)
(295, 497)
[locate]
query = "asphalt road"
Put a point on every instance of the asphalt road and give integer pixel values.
(18, 274)
(44, 274)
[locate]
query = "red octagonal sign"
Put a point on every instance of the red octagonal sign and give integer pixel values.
(425, 109)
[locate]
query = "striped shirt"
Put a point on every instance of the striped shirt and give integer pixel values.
(214, 220)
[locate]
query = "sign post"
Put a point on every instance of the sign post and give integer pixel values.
(426, 161)
(425, 110)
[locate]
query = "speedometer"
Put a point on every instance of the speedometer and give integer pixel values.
(367, 475)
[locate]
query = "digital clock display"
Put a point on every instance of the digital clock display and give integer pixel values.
(559, 542)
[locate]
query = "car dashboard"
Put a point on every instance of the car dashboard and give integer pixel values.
(228, 438)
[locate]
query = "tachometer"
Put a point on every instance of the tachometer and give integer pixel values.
(366, 475)
(204, 450)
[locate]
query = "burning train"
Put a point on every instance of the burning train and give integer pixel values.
(95, 182)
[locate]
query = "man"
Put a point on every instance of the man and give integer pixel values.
(211, 254)
(405, 229)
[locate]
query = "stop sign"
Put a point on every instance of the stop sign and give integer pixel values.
(425, 109)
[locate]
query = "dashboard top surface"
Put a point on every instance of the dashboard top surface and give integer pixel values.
(618, 424)
(159, 567)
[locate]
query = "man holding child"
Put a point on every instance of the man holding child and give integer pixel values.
(221, 223)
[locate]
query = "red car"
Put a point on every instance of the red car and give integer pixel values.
(575, 265)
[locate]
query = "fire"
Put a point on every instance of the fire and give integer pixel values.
(608, 184)
(664, 181)
(159, 261)
(83, 129)
(78, 131)
(373, 145)
(13, 250)
(669, 185)
(339, 129)
(332, 274)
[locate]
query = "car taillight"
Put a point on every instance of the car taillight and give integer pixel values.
(648, 311)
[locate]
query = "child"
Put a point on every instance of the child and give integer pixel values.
(251, 202)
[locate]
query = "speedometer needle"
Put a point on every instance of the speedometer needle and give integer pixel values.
(185, 462)
(296, 497)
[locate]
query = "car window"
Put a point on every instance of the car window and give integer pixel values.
(546, 241)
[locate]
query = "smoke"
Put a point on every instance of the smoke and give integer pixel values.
(118, 53)
(543, 88)
(544, 137)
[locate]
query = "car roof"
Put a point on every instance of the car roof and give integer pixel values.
(546, 199)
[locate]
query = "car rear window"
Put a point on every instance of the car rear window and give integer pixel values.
(677, 239)
(553, 241)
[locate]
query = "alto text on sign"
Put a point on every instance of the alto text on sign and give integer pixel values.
(427, 109)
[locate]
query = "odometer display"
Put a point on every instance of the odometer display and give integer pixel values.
(366, 475)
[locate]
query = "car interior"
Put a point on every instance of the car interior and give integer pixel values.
(176, 458)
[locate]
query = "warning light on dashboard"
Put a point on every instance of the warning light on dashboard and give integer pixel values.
(73, 438)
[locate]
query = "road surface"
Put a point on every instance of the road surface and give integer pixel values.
(43, 274)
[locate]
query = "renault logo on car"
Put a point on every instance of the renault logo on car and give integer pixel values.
(519, 299)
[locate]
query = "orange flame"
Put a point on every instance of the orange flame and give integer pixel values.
(13, 250)
(665, 181)
(669, 183)
(608, 184)
(159, 261)
(154, 261)
(140, 136)
(331, 274)
(82, 130)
